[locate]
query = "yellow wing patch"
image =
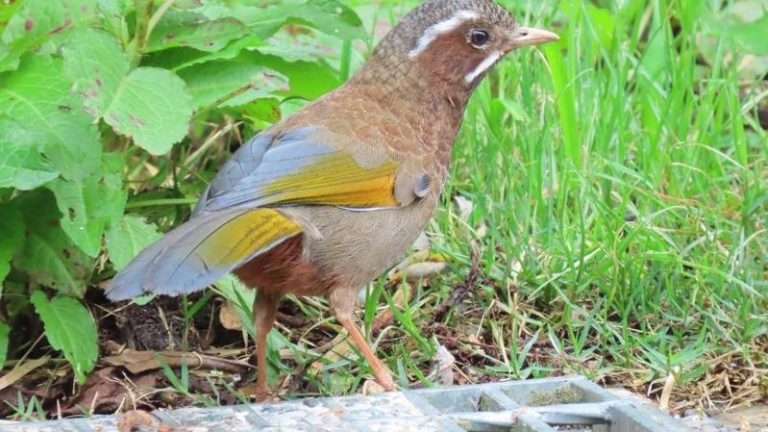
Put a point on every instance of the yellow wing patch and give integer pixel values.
(337, 179)
(245, 236)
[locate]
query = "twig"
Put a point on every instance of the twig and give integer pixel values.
(142, 361)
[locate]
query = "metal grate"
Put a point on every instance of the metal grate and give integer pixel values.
(544, 405)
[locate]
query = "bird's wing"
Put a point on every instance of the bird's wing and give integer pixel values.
(304, 167)
(239, 216)
(201, 251)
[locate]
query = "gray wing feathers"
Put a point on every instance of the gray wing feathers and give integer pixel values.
(244, 162)
(295, 151)
(169, 266)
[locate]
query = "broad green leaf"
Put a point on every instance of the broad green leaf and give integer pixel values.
(148, 104)
(89, 207)
(37, 22)
(70, 328)
(153, 107)
(262, 22)
(12, 235)
(329, 16)
(7, 11)
(113, 13)
(5, 333)
(188, 29)
(177, 59)
(21, 164)
(308, 80)
(127, 237)
(38, 97)
(298, 46)
(49, 257)
(97, 65)
(117, 8)
(209, 82)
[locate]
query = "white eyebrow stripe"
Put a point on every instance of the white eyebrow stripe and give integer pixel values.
(483, 66)
(442, 27)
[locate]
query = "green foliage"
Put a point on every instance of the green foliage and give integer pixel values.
(37, 96)
(88, 207)
(5, 331)
(127, 237)
(70, 328)
(50, 257)
(150, 105)
(102, 100)
(40, 22)
(22, 167)
(12, 233)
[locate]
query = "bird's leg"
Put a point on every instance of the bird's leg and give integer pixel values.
(342, 309)
(264, 311)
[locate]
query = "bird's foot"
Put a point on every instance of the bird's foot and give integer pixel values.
(259, 394)
(263, 396)
(384, 378)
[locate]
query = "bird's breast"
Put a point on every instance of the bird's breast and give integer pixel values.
(354, 247)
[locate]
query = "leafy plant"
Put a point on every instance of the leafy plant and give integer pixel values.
(78, 342)
(96, 93)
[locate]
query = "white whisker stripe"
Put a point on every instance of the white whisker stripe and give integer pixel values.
(442, 27)
(483, 66)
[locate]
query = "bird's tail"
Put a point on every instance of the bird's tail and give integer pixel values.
(201, 251)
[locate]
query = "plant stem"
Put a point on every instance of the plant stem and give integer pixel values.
(161, 202)
(138, 44)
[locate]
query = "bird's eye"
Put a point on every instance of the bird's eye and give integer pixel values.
(478, 38)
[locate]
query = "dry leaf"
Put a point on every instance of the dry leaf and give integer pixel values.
(666, 392)
(229, 318)
(372, 387)
(419, 270)
(443, 366)
(20, 370)
(107, 390)
(464, 206)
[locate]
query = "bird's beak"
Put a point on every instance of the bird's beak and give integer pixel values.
(527, 36)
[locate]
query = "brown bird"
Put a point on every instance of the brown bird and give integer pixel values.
(330, 197)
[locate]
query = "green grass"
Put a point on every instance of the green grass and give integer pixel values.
(619, 190)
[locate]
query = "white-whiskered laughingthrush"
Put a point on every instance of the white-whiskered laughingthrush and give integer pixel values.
(330, 197)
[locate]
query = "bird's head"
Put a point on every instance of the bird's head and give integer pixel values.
(451, 43)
